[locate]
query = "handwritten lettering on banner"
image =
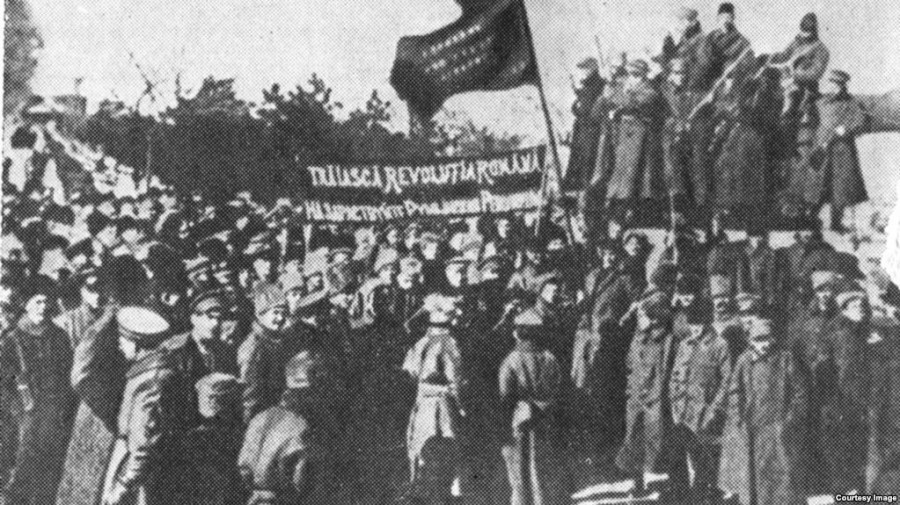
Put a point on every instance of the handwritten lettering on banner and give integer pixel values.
(448, 187)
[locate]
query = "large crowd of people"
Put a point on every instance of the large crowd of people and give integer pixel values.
(168, 348)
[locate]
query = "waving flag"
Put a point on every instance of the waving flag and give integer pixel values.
(487, 48)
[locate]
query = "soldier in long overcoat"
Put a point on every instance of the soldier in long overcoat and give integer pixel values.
(530, 388)
(648, 422)
(601, 345)
(743, 168)
(765, 416)
(635, 170)
(586, 128)
(700, 374)
(839, 180)
(149, 418)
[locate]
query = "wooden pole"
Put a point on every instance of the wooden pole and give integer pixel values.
(554, 150)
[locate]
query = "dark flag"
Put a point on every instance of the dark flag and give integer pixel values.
(487, 48)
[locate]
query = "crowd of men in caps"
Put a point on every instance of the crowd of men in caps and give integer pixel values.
(166, 350)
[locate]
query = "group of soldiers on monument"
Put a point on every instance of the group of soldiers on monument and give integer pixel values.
(171, 349)
(718, 130)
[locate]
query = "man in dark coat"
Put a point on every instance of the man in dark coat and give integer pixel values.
(765, 412)
(883, 469)
(635, 171)
(744, 164)
(77, 321)
(648, 422)
(263, 355)
(725, 45)
(149, 418)
(201, 351)
(35, 359)
(687, 44)
(210, 450)
(700, 374)
(530, 382)
(758, 270)
(843, 119)
(285, 455)
(686, 138)
(842, 380)
(586, 129)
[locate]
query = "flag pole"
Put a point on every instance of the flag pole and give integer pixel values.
(554, 149)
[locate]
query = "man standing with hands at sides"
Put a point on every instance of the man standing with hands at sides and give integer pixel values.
(149, 415)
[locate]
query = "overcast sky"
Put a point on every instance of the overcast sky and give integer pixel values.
(351, 43)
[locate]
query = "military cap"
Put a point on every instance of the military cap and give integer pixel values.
(528, 318)
(213, 248)
(216, 392)
(300, 370)
(83, 247)
(142, 326)
(824, 280)
(261, 244)
(267, 296)
(209, 299)
(125, 223)
(430, 236)
(656, 305)
(848, 291)
(839, 77)
(493, 261)
(334, 255)
(457, 260)
(686, 14)
(726, 8)
(386, 257)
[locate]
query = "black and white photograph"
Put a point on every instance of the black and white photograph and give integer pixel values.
(450, 252)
